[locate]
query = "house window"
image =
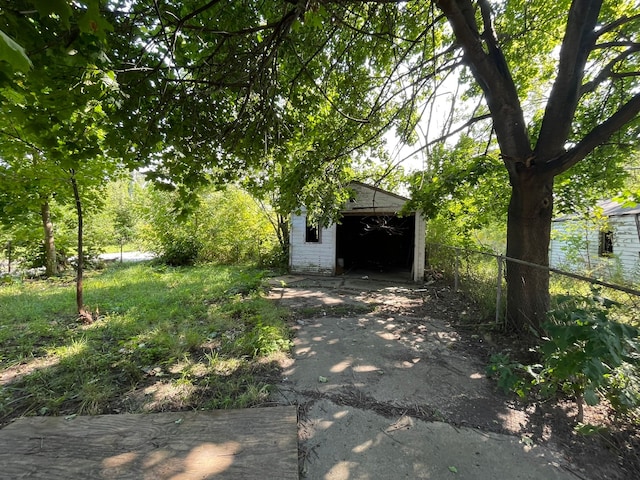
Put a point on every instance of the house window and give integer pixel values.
(605, 248)
(311, 232)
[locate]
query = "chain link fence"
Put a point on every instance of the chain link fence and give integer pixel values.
(481, 276)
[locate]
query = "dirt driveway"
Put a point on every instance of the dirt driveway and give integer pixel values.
(387, 389)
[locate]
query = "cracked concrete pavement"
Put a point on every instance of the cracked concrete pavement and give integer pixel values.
(384, 392)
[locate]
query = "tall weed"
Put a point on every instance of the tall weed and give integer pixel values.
(586, 353)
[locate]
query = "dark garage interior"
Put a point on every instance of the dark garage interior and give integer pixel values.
(376, 243)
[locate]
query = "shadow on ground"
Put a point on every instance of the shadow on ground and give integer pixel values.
(387, 388)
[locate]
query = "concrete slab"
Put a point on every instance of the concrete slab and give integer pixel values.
(388, 395)
(347, 443)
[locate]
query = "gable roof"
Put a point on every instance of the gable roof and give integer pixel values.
(378, 189)
(373, 200)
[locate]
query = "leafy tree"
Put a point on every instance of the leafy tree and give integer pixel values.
(234, 229)
(54, 127)
(20, 198)
(283, 186)
(465, 188)
(25, 235)
(224, 88)
(591, 98)
(265, 94)
(123, 200)
(379, 170)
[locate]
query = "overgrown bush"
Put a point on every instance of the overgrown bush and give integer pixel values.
(274, 256)
(225, 227)
(587, 354)
(180, 249)
(510, 375)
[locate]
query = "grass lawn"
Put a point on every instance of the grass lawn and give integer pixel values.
(166, 339)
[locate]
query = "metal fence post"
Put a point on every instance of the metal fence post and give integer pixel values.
(499, 289)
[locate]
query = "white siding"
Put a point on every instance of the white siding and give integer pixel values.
(575, 247)
(317, 257)
(372, 200)
(626, 246)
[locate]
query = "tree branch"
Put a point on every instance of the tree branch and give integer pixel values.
(607, 71)
(22, 140)
(196, 12)
(615, 24)
(467, 124)
(563, 100)
(324, 94)
(617, 43)
(597, 136)
(492, 73)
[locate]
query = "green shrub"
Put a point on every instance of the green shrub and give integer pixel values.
(586, 354)
(263, 340)
(590, 355)
(223, 227)
(180, 250)
(510, 376)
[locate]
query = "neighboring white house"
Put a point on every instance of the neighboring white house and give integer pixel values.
(606, 244)
(370, 237)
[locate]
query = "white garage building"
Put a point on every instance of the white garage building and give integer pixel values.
(371, 236)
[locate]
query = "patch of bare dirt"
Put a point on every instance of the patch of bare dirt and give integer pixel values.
(611, 450)
(27, 367)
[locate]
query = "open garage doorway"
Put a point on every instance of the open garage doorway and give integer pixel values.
(375, 245)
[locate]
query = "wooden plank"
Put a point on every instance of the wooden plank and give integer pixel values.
(252, 443)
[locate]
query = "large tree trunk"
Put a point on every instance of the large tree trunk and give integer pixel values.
(50, 260)
(528, 236)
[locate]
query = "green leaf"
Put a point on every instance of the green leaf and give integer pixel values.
(591, 397)
(313, 19)
(13, 53)
(587, 429)
(93, 22)
(61, 8)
